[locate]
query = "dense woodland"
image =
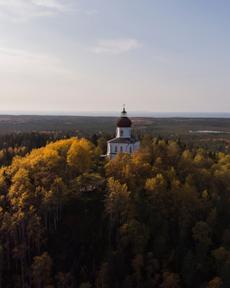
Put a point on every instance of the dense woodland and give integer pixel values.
(19, 144)
(158, 218)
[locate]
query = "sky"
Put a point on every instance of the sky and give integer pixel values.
(69, 56)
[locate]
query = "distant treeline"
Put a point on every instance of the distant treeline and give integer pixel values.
(187, 129)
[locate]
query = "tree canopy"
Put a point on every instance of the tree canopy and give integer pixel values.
(157, 218)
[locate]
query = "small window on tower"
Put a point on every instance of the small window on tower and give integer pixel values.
(121, 132)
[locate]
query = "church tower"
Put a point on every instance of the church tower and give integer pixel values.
(123, 142)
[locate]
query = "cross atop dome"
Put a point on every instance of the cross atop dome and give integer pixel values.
(123, 113)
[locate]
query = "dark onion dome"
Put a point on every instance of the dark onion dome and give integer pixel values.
(124, 121)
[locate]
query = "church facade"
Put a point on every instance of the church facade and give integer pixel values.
(123, 142)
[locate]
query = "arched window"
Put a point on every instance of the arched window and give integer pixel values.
(121, 132)
(130, 149)
(121, 149)
(115, 149)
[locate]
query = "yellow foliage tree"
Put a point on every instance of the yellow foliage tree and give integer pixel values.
(79, 156)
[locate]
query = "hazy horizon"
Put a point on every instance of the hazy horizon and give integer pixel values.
(116, 114)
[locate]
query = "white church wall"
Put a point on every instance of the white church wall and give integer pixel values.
(123, 148)
(109, 149)
(115, 148)
(124, 132)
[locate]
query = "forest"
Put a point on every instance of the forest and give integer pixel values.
(70, 218)
(209, 133)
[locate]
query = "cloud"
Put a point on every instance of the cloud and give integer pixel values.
(116, 46)
(22, 62)
(50, 4)
(20, 10)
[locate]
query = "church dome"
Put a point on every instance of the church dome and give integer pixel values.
(124, 121)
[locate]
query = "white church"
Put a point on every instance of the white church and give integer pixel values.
(123, 142)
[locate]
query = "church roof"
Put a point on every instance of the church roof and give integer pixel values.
(124, 121)
(123, 140)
